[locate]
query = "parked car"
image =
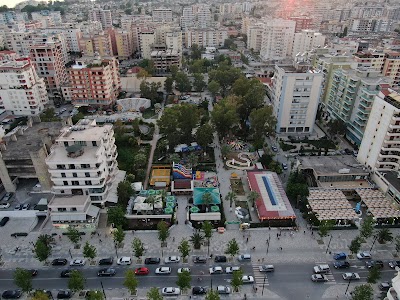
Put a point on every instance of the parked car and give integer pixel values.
(106, 261)
(341, 264)
(220, 258)
(18, 207)
(64, 294)
(163, 270)
(26, 206)
(216, 270)
(230, 270)
(199, 290)
(374, 263)
(152, 261)
(4, 221)
(364, 255)
(124, 261)
(77, 262)
(170, 291)
(7, 197)
(394, 264)
(11, 294)
(223, 290)
(244, 257)
(4, 205)
(320, 269)
(59, 262)
(247, 279)
(180, 270)
(106, 272)
(172, 259)
(284, 166)
(200, 259)
(274, 148)
(384, 286)
(318, 278)
(340, 256)
(142, 271)
(266, 268)
(351, 276)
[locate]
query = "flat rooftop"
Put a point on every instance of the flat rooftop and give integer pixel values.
(78, 200)
(59, 155)
(330, 165)
(392, 178)
(83, 132)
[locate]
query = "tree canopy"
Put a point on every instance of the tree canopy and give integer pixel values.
(224, 116)
(225, 75)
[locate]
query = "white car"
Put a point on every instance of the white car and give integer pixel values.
(351, 276)
(181, 270)
(172, 259)
(216, 270)
(170, 291)
(124, 260)
(77, 262)
(224, 290)
(318, 278)
(364, 255)
(230, 270)
(4, 205)
(247, 279)
(163, 270)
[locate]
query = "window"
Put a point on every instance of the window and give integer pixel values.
(75, 182)
(66, 144)
(61, 209)
(62, 174)
(72, 166)
(88, 182)
(61, 167)
(94, 143)
(65, 182)
(87, 174)
(74, 175)
(73, 208)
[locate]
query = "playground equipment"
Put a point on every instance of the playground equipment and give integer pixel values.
(181, 172)
(236, 164)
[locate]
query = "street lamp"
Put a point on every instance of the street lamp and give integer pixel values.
(327, 249)
(102, 287)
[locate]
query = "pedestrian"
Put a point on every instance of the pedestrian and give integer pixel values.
(277, 235)
(312, 232)
(100, 241)
(173, 239)
(281, 248)
(247, 240)
(263, 259)
(304, 232)
(59, 236)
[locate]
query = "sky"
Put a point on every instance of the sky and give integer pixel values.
(9, 3)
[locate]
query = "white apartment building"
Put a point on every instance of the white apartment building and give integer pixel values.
(254, 37)
(362, 25)
(22, 91)
(187, 18)
(72, 36)
(162, 15)
(173, 41)
(295, 95)
(277, 39)
(205, 37)
(203, 14)
(101, 15)
(307, 40)
(54, 16)
(147, 40)
(83, 161)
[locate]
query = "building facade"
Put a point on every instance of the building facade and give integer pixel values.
(391, 67)
(162, 15)
(101, 15)
(307, 40)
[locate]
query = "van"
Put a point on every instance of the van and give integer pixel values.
(244, 257)
(125, 260)
(320, 269)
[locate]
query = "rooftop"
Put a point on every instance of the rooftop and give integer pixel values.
(393, 179)
(77, 200)
(60, 155)
(86, 130)
(330, 165)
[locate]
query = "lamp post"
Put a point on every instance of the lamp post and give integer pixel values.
(102, 288)
(267, 245)
(327, 249)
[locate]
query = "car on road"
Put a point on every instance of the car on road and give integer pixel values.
(199, 290)
(66, 273)
(26, 206)
(351, 276)
(18, 207)
(223, 290)
(274, 148)
(152, 260)
(247, 279)
(163, 270)
(172, 259)
(384, 286)
(340, 256)
(59, 262)
(395, 263)
(142, 271)
(180, 270)
(124, 261)
(266, 268)
(64, 294)
(320, 269)
(284, 166)
(4, 221)
(244, 257)
(4, 205)
(106, 261)
(343, 264)
(220, 258)
(230, 270)
(170, 291)
(374, 263)
(200, 259)
(106, 272)
(77, 262)
(318, 278)
(7, 197)
(11, 294)
(364, 255)
(216, 270)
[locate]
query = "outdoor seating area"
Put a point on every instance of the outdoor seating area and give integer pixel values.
(378, 205)
(151, 202)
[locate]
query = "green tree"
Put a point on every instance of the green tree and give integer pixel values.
(131, 282)
(244, 59)
(89, 251)
(42, 251)
(224, 117)
(184, 248)
(174, 70)
(151, 199)
(23, 279)
(252, 197)
(237, 280)
(148, 65)
(196, 239)
(367, 227)
(184, 280)
(294, 190)
(174, 157)
(195, 52)
(163, 232)
(197, 66)
(262, 122)
(207, 199)
(337, 127)
(374, 274)
(116, 216)
(231, 197)
(182, 82)
(363, 292)
(138, 247)
(188, 120)
(140, 160)
(384, 235)
(150, 90)
(198, 82)
(76, 281)
(204, 135)
(119, 236)
(124, 192)
(154, 294)
(94, 295)
(355, 245)
(230, 44)
(208, 230)
(212, 295)
(225, 75)
(168, 84)
(40, 295)
(46, 239)
(325, 226)
(232, 248)
(73, 234)
(213, 87)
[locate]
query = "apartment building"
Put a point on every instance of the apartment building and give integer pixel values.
(173, 41)
(53, 16)
(277, 39)
(161, 15)
(72, 36)
(83, 161)
(147, 40)
(22, 91)
(254, 37)
(362, 25)
(103, 16)
(96, 42)
(391, 66)
(205, 37)
(164, 59)
(124, 44)
(188, 18)
(295, 95)
(94, 81)
(302, 23)
(307, 40)
(369, 60)
(203, 15)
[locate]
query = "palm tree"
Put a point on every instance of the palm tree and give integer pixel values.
(151, 200)
(252, 197)
(196, 240)
(207, 199)
(384, 235)
(231, 196)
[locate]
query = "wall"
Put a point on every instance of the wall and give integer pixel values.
(132, 84)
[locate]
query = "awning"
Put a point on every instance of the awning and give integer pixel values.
(93, 211)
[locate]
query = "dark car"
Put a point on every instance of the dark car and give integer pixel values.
(4, 221)
(11, 294)
(200, 259)
(384, 286)
(395, 263)
(7, 197)
(199, 290)
(152, 261)
(340, 256)
(66, 273)
(106, 261)
(220, 258)
(374, 263)
(106, 272)
(348, 151)
(341, 264)
(59, 262)
(64, 294)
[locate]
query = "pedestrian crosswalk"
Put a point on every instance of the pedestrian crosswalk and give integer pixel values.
(260, 278)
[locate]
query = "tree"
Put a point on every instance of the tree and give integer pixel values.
(374, 275)
(151, 199)
(148, 65)
(230, 44)
(40, 295)
(116, 216)
(262, 122)
(184, 248)
(94, 295)
(174, 157)
(237, 281)
(225, 75)
(198, 82)
(197, 66)
(208, 230)
(244, 59)
(367, 227)
(231, 197)
(294, 190)
(154, 294)
(224, 117)
(73, 234)
(207, 199)
(384, 235)
(355, 245)
(23, 279)
(89, 251)
(42, 251)
(163, 232)
(131, 282)
(232, 248)
(336, 127)
(196, 240)
(174, 69)
(252, 197)
(168, 84)
(138, 247)
(46, 239)
(183, 281)
(204, 135)
(150, 90)
(124, 192)
(213, 87)
(182, 82)
(325, 226)
(140, 160)
(363, 292)
(195, 52)
(119, 235)
(212, 295)
(76, 281)
(193, 160)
